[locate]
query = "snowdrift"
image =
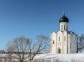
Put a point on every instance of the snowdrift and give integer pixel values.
(59, 58)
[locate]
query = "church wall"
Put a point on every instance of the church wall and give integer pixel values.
(73, 43)
(53, 42)
(67, 43)
(59, 43)
(62, 43)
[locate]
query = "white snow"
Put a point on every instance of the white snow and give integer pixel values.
(59, 58)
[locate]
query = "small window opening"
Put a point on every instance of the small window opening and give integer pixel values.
(53, 41)
(59, 38)
(64, 27)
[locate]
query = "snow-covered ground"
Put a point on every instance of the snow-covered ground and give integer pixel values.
(59, 58)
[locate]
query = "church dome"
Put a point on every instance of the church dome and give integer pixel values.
(64, 19)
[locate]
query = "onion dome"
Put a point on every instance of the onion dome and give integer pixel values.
(63, 19)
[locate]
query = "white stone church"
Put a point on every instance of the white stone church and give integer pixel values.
(63, 41)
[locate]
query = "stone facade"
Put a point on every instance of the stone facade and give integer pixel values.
(63, 41)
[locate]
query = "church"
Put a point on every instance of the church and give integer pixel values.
(63, 41)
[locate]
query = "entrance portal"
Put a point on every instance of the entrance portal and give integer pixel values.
(59, 50)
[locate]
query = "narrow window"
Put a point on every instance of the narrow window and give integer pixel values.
(64, 27)
(70, 44)
(59, 38)
(53, 41)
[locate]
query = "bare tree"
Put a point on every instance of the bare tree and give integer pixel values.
(19, 46)
(26, 49)
(9, 51)
(41, 45)
(81, 42)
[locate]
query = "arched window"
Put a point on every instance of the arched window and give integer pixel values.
(59, 50)
(59, 38)
(64, 27)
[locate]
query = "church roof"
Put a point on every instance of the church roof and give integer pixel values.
(71, 32)
(63, 19)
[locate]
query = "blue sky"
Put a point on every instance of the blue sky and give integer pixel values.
(32, 17)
